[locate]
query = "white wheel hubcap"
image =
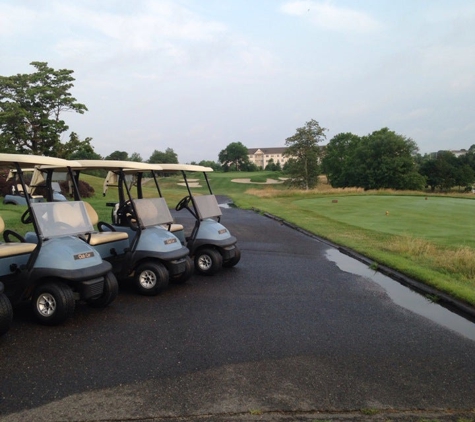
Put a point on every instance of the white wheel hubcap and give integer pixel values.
(205, 262)
(46, 304)
(147, 279)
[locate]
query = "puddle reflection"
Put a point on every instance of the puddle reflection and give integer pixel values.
(404, 296)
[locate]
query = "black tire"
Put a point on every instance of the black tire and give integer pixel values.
(53, 303)
(233, 261)
(208, 261)
(185, 276)
(6, 314)
(110, 292)
(151, 278)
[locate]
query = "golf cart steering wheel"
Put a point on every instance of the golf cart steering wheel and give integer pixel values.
(26, 217)
(183, 203)
(7, 234)
(126, 211)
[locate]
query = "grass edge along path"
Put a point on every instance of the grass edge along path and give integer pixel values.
(413, 257)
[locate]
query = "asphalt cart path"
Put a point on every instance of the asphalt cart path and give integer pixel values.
(284, 335)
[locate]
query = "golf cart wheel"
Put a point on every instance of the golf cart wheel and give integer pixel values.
(110, 292)
(151, 278)
(53, 303)
(184, 276)
(208, 261)
(6, 314)
(234, 260)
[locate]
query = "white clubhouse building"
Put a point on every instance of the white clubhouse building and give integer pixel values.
(261, 156)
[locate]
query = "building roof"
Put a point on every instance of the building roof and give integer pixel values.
(272, 150)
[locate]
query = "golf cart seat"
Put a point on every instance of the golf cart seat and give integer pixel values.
(19, 191)
(102, 237)
(173, 227)
(14, 248)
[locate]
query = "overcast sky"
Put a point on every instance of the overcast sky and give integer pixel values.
(196, 75)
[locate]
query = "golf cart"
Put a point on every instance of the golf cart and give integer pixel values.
(210, 243)
(154, 256)
(17, 195)
(52, 267)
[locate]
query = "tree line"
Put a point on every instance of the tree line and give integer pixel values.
(386, 160)
(32, 105)
(380, 160)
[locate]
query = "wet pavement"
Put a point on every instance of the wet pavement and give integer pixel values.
(403, 296)
(290, 333)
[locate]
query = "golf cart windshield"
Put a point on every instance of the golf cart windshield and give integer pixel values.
(57, 219)
(207, 206)
(152, 211)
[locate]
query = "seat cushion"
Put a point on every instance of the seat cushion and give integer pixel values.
(16, 248)
(107, 237)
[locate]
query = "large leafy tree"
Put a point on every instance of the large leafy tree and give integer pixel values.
(303, 165)
(135, 156)
(382, 159)
(169, 156)
(386, 160)
(210, 163)
(75, 149)
(31, 106)
(118, 156)
(337, 163)
(234, 157)
(441, 171)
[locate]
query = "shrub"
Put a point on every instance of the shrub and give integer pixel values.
(85, 189)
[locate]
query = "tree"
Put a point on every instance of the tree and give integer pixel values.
(234, 155)
(303, 165)
(272, 166)
(75, 149)
(118, 156)
(337, 161)
(464, 176)
(209, 163)
(468, 158)
(441, 171)
(30, 109)
(386, 160)
(136, 157)
(169, 156)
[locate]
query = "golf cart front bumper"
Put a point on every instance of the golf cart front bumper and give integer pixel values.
(87, 283)
(228, 252)
(226, 246)
(176, 267)
(175, 260)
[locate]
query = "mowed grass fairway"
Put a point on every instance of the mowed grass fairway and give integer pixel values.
(427, 237)
(444, 221)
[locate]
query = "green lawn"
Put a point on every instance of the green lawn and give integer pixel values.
(427, 237)
(445, 221)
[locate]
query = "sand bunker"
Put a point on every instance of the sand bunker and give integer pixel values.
(191, 184)
(268, 182)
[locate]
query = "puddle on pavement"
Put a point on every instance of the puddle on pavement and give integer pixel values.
(403, 296)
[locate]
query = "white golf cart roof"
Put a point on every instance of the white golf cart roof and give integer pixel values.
(184, 167)
(117, 165)
(25, 160)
